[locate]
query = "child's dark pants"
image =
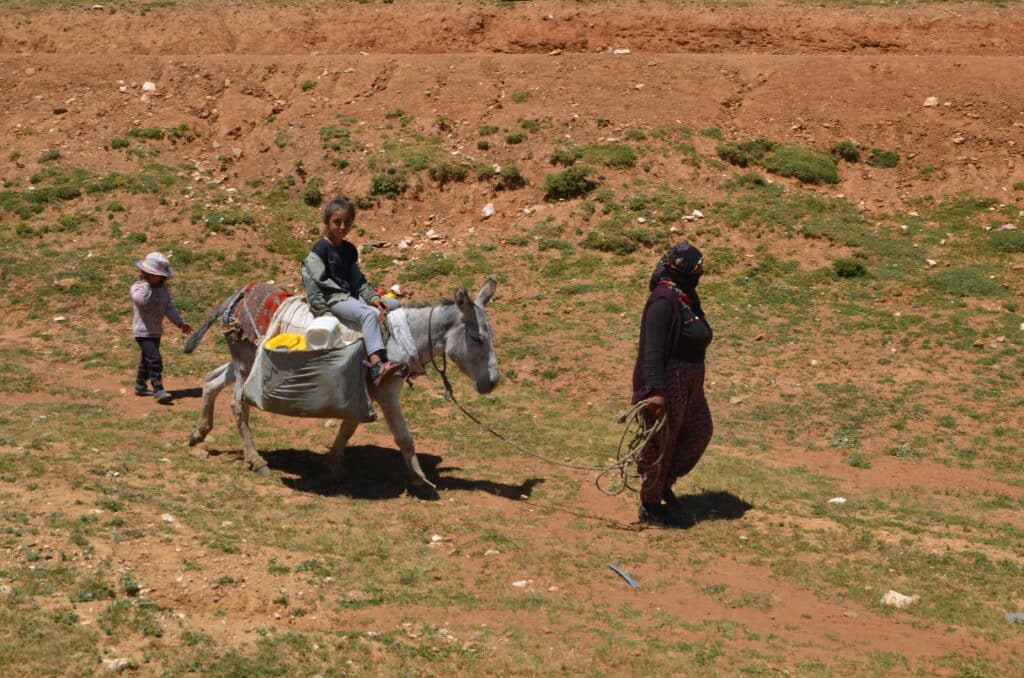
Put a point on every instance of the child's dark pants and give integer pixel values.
(151, 366)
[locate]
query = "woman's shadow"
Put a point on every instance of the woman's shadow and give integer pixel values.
(698, 508)
(372, 472)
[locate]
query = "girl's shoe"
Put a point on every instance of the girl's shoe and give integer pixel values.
(163, 397)
(380, 371)
(142, 391)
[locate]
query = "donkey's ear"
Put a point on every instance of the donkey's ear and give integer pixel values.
(486, 292)
(463, 301)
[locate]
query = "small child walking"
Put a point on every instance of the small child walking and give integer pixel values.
(152, 301)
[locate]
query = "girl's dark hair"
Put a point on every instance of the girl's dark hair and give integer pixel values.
(337, 204)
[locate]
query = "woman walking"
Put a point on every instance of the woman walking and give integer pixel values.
(669, 375)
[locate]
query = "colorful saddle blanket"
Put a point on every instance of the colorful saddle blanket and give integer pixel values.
(250, 316)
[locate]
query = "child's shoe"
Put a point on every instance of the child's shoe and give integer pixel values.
(380, 371)
(142, 391)
(163, 397)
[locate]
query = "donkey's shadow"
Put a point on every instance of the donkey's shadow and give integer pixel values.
(372, 472)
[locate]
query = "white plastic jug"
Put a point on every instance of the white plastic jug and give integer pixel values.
(323, 332)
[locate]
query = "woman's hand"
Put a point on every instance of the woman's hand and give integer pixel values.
(655, 404)
(187, 328)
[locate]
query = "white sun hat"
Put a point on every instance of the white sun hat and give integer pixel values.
(156, 263)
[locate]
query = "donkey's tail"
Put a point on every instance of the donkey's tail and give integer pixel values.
(215, 315)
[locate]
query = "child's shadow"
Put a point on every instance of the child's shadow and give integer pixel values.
(186, 393)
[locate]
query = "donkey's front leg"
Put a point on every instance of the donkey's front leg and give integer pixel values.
(213, 383)
(388, 396)
(240, 409)
(336, 455)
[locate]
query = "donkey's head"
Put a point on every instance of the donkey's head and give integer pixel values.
(469, 342)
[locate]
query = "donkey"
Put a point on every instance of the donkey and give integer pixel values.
(457, 329)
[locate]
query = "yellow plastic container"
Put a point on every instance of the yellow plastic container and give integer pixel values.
(286, 341)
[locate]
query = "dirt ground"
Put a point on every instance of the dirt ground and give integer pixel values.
(799, 72)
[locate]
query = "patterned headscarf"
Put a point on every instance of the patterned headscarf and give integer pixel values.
(682, 266)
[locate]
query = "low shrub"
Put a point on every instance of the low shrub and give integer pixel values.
(565, 155)
(848, 268)
(611, 155)
(803, 164)
(387, 185)
(153, 133)
(571, 183)
(515, 138)
(847, 150)
(313, 195)
(445, 172)
(1007, 241)
(883, 159)
(745, 153)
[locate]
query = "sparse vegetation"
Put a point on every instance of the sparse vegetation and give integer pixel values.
(883, 159)
(571, 183)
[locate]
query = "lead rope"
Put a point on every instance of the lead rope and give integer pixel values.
(640, 429)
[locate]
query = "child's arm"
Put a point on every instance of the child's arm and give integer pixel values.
(313, 271)
(141, 293)
(175, 317)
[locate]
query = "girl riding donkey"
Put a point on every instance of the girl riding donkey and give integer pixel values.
(335, 284)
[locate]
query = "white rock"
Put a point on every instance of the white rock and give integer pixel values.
(899, 600)
(931, 262)
(698, 214)
(931, 102)
(396, 290)
(621, 51)
(168, 518)
(118, 665)
(59, 319)
(521, 584)
(488, 211)
(674, 229)
(123, 89)
(904, 228)
(837, 500)
(436, 538)
(641, 220)
(144, 98)
(434, 235)
(491, 552)
(148, 86)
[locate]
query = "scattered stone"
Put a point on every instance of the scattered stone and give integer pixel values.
(148, 86)
(837, 500)
(118, 665)
(59, 319)
(96, 7)
(621, 51)
(555, 52)
(488, 211)
(168, 518)
(931, 102)
(931, 262)
(674, 229)
(60, 110)
(904, 228)
(1015, 617)
(395, 290)
(433, 235)
(899, 600)
(436, 538)
(492, 552)
(522, 583)
(959, 139)
(144, 98)
(697, 214)
(850, 613)
(641, 220)
(736, 400)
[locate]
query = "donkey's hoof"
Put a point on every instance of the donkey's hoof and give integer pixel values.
(424, 491)
(262, 471)
(194, 439)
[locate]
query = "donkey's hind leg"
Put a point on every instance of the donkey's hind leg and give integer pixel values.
(240, 409)
(213, 383)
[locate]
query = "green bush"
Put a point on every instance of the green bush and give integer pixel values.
(387, 185)
(848, 268)
(154, 133)
(744, 153)
(883, 159)
(313, 195)
(1007, 241)
(613, 236)
(308, 85)
(510, 178)
(445, 172)
(611, 155)
(520, 97)
(433, 266)
(847, 150)
(571, 183)
(635, 135)
(809, 167)
(487, 130)
(565, 155)
(515, 138)
(530, 124)
(49, 156)
(713, 133)
(483, 145)
(119, 142)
